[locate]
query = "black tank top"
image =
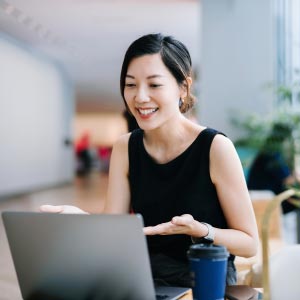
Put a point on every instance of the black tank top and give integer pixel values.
(181, 186)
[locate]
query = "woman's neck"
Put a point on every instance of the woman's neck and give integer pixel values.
(166, 143)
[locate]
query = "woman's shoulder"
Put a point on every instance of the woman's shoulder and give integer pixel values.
(213, 136)
(213, 132)
(122, 141)
(216, 140)
(221, 140)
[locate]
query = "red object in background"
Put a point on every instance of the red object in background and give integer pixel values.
(104, 153)
(83, 143)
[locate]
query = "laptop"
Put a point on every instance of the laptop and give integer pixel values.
(63, 256)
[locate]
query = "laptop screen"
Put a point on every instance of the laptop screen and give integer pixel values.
(79, 256)
(62, 256)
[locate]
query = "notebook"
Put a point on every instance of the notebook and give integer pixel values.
(63, 256)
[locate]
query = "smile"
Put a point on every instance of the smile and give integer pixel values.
(147, 111)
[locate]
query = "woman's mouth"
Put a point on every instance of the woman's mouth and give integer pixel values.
(146, 111)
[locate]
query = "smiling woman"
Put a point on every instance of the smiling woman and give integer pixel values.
(177, 67)
(150, 89)
(185, 179)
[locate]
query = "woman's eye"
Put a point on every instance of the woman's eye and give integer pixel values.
(153, 85)
(129, 84)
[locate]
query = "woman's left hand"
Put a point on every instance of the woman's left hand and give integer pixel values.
(184, 224)
(61, 209)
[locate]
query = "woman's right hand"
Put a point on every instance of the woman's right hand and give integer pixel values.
(61, 209)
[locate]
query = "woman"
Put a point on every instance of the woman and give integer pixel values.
(174, 172)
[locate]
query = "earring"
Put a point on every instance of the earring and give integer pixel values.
(181, 101)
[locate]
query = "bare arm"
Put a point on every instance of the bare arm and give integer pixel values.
(118, 192)
(227, 175)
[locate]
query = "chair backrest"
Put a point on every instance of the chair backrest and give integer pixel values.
(260, 201)
(265, 250)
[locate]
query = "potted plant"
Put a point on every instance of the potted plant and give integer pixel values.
(257, 129)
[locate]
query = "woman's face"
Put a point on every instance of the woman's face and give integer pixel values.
(151, 92)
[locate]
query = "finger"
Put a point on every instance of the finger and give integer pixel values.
(163, 229)
(154, 230)
(148, 230)
(187, 216)
(51, 208)
(69, 209)
(182, 220)
(158, 229)
(176, 220)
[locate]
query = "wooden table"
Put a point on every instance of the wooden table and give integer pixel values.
(244, 291)
(188, 296)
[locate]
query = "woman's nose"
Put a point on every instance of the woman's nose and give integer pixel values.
(142, 95)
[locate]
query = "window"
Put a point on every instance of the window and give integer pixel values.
(287, 30)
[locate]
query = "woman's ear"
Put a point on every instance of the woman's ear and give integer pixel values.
(186, 87)
(189, 81)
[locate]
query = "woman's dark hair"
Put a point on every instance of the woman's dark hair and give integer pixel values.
(174, 55)
(130, 120)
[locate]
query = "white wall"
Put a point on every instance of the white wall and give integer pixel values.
(36, 110)
(237, 60)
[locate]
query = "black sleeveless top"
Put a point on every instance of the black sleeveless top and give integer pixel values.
(182, 186)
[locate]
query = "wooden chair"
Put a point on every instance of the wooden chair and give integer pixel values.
(280, 271)
(250, 269)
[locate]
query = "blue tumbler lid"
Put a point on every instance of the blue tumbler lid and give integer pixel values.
(207, 251)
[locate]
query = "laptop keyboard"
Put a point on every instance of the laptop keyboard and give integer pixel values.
(161, 297)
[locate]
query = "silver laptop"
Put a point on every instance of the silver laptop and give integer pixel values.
(62, 256)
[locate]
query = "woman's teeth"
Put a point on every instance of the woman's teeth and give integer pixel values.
(145, 112)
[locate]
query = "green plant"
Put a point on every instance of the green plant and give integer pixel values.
(276, 131)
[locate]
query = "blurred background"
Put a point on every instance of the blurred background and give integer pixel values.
(60, 63)
(60, 104)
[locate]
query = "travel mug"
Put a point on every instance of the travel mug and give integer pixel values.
(208, 266)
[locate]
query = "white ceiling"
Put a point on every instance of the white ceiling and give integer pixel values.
(90, 37)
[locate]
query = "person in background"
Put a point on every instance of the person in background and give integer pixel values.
(83, 155)
(269, 170)
(104, 153)
(185, 179)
